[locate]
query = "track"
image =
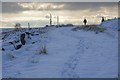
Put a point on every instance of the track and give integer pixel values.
(69, 68)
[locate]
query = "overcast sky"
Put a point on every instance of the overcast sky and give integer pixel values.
(37, 14)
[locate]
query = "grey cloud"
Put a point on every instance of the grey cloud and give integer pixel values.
(88, 5)
(13, 7)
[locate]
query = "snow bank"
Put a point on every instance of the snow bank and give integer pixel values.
(111, 27)
(112, 23)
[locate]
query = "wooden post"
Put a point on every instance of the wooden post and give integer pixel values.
(50, 19)
(57, 20)
(28, 25)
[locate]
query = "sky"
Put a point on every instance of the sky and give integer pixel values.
(37, 13)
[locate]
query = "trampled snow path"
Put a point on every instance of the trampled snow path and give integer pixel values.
(70, 66)
(69, 69)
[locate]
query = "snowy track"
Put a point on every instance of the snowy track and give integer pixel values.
(70, 66)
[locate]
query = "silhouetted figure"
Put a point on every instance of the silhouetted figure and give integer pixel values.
(85, 21)
(102, 19)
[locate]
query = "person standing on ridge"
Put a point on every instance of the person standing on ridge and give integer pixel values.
(102, 19)
(85, 21)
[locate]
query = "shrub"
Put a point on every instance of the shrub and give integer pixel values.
(43, 50)
(96, 32)
(11, 56)
(17, 26)
(34, 61)
(118, 29)
(69, 25)
(18, 46)
(28, 33)
(90, 28)
(3, 49)
(33, 42)
(76, 28)
(100, 29)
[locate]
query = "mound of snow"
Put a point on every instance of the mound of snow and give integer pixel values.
(111, 27)
(112, 23)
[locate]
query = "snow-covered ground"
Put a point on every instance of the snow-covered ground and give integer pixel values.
(70, 54)
(111, 23)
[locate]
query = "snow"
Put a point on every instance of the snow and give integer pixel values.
(70, 54)
(112, 23)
